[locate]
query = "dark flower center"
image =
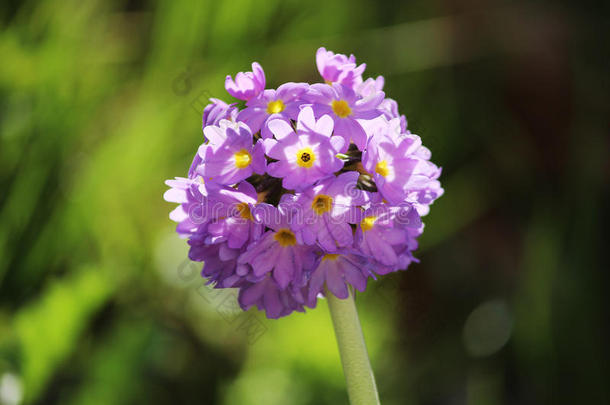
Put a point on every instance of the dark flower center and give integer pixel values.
(306, 157)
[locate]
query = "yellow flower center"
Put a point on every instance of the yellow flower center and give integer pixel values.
(242, 159)
(285, 237)
(382, 168)
(275, 107)
(305, 157)
(244, 211)
(367, 223)
(328, 82)
(330, 256)
(341, 108)
(322, 203)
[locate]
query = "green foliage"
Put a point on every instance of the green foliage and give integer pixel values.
(49, 328)
(100, 102)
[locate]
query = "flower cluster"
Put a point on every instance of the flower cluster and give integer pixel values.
(306, 189)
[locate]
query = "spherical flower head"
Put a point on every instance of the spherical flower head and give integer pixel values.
(337, 271)
(304, 156)
(278, 252)
(246, 85)
(218, 110)
(328, 209)
(347, 110)
(230, 156)
(282, 103)
(382, 232)
(338, 68)
(307, 190)
(400, 167)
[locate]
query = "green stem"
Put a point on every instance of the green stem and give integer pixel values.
(359, 378)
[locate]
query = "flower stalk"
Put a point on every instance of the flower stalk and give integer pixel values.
(359, 378)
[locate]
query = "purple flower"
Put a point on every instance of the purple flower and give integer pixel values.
(192, 214)
(338, 68)
(383, 232)
(230, 155)
(370, 86)
(236, 225)
(337, 271)
(401, 169)
(403, 252)
(193, 169)
(389, 108)
(346, 109)
(394, 128)
(304, 156)
(218, 110)
(274, 203)
(278, 252)
(246, 85)
(282, 103)
(220, 263)
(266, 295)
(328, 209)
(207, 209)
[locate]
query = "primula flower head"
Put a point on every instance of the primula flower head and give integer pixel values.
(310, 189)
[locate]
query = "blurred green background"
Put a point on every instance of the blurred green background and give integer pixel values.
(100, 102)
